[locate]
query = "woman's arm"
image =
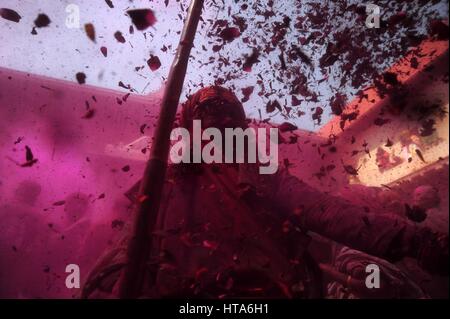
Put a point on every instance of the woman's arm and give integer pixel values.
(384, 235)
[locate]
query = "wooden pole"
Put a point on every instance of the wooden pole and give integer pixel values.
(151, 186)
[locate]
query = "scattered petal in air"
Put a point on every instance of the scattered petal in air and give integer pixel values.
(229, 34)
(81, 77)
(119, 37)
(110, 4)
(10, 15)
(42, 20)
(154, 63)
(142, 18)
(90, 31)
(104, 51)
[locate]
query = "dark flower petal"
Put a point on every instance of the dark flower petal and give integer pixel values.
(142, 18)
(90, 31)
(81, 77)
(154, 63)
(119, 37)
(42, 20)
(10, 15)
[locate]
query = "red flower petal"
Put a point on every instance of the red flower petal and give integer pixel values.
(154, 63)
(142, 18)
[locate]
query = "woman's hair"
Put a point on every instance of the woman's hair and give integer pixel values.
(210, 99)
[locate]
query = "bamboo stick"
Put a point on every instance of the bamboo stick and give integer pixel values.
(151, 186)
